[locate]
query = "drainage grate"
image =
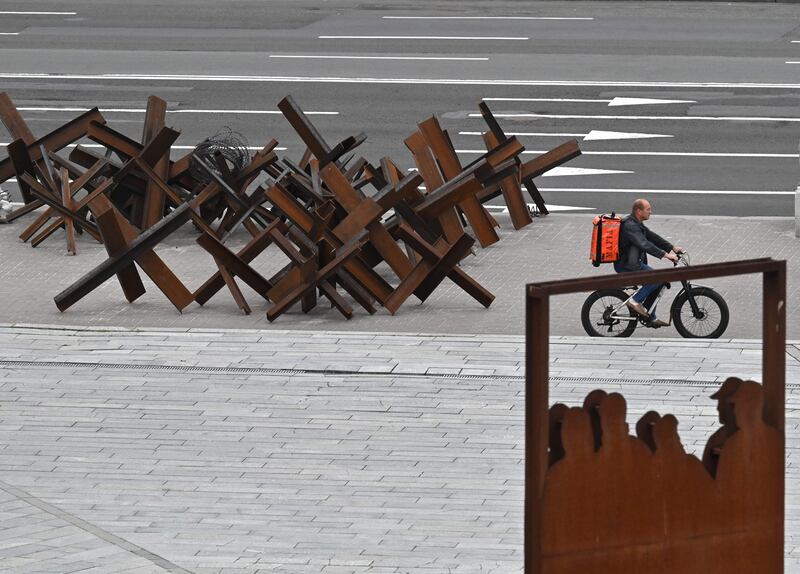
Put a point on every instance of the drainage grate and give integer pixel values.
(345, 372)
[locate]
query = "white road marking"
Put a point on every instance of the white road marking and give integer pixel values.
(700, 118)
(689, 154)
(572, 171)
(793, 62)
(611, 103)
(251, 148)
(550, 207)
(37, 13)
(542, 134)
(9, 33)
(316, 57)
(596, 135)
(368, 80)
(646, 192)
(582, 100)
(567, 171)
(645, 101)
(423, 38)
(593, 135)
(482, 18)
(655, 153)
(143, 110)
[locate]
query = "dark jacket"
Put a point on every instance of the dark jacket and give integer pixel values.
(635, 242)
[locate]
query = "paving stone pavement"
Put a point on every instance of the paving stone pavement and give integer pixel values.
(255, 451)
(553, 247)
(146, 440)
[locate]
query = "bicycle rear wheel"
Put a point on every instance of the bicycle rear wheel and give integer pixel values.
(600, 319)
(712, 320)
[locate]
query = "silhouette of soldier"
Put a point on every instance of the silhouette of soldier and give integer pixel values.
(750, 480)
(625, 475)
(688, 488)
(570, 489)
(750, 467)
(726, 418)
(688, 495)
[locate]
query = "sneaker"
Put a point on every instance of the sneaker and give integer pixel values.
(637, 307)
(660, 323)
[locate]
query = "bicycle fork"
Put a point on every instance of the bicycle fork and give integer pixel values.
(692, 302)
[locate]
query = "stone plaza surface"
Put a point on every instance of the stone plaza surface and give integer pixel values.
(552, 247)
(207, 450)
(138, 439)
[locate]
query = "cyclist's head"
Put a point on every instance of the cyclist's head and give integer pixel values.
(641, 209)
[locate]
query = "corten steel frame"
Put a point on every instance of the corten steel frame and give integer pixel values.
(537, 315)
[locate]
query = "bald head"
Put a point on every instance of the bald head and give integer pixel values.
(641, 209)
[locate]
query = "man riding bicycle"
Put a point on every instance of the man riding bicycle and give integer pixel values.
(635, 242)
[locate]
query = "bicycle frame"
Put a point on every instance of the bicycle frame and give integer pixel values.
(686, 286)
(644, 320)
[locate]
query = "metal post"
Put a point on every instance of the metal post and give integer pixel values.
(797, 212)
(797, 207)
(537, 368)
(774, 364)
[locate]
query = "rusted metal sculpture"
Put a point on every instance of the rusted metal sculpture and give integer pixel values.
(510, 187)
(599, 500)
(317, 211)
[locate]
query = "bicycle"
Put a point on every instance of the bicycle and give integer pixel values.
(697, 311)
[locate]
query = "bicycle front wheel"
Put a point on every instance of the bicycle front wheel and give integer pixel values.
(712, 319)
(605, 315)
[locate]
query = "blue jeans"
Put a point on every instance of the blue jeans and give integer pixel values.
(646, 290)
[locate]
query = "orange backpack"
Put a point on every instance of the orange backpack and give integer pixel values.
(605, 239)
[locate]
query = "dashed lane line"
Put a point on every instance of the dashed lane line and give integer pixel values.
(657, 153)
(484, 18)
(35, 13)
(591, 117)
(328, 57)
(613, 102)
(99, 146)
(372, 80)
(511, 38)
(593, 135)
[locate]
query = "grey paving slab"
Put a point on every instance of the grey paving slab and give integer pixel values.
(166, 458)
(553, 247)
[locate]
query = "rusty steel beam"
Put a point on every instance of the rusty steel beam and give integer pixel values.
(56, 140)
(145, 242)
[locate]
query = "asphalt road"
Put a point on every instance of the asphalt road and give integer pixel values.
(723, 140)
